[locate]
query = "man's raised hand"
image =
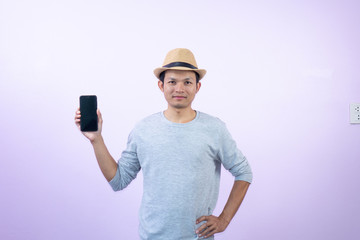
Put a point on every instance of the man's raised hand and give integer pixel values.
(92, 136)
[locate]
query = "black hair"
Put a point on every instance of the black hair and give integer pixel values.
(162, 76)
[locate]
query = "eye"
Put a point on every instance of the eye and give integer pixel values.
(171, 82)
(188, 82)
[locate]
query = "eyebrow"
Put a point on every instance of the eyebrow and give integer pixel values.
(185, 79)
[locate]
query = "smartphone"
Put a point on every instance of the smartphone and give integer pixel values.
(89, 118)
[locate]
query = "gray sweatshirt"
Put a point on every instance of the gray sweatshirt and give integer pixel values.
(181, 165)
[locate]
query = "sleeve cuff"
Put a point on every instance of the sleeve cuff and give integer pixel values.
(115, 181)
(245, 177)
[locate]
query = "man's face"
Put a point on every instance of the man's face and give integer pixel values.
(179, 88)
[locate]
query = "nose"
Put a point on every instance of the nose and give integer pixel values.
(179, 87)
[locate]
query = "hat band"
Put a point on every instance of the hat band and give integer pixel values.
(180, 64)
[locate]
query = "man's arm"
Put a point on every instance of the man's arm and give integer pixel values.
(106, 162)
(219, 224)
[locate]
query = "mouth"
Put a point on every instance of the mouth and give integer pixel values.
(179, 97)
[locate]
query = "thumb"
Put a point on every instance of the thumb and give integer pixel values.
(99, 114)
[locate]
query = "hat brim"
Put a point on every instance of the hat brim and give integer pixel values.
(158, 71)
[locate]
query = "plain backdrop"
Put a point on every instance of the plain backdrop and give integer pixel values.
(281, 74)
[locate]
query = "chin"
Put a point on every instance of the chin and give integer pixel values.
(179, 106)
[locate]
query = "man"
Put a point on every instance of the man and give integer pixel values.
(180, 152)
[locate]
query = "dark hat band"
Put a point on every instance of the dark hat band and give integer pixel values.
(180, 64)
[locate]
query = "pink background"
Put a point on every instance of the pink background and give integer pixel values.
(281, 74)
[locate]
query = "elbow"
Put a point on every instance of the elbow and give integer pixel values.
(118, 186)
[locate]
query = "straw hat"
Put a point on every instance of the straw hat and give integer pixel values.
(180, 59)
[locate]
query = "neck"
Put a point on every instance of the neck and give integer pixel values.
(180, 115)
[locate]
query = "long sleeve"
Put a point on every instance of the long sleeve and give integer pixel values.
(128, 166)
(232, 158)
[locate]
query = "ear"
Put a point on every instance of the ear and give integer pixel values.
(198, 85)
(161, 85)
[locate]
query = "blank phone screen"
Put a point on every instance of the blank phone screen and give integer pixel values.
(89, 118)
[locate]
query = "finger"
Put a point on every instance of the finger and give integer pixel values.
(201, 228)
(77, 123)
(200, 219)
(210, 233)
(209, 227)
